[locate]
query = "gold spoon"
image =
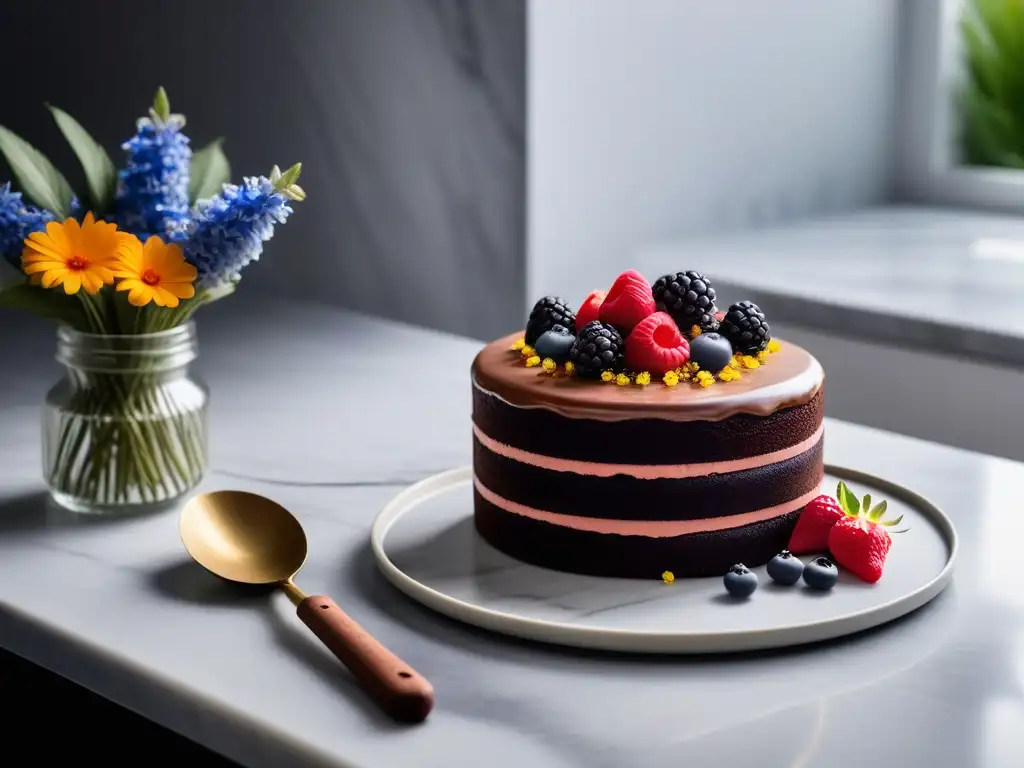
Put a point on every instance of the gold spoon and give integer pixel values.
(250, 539)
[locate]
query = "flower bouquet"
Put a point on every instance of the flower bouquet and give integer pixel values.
(124, 273)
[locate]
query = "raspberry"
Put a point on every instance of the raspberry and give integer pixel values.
(656, 346)
(590, 310)
(628, 302)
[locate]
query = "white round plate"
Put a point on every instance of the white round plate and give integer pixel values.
(425, 543)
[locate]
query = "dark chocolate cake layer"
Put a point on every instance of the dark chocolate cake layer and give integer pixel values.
(645, 441)
(601, 554)
(623, 497)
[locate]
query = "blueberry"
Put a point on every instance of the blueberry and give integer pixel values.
(711, 351)
(740, 581)
(555, 344)
(820, 573)
(785, 569)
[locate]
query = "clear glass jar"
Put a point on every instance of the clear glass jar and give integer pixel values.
(124, 430)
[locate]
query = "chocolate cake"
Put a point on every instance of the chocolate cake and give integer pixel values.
(630, 473)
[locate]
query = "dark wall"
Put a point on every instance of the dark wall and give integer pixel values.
(408, 116)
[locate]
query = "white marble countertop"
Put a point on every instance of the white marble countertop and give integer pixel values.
(949, 281)
(331, 414)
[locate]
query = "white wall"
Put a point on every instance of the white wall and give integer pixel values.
(651, 119)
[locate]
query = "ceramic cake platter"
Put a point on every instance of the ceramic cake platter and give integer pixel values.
(426, 544)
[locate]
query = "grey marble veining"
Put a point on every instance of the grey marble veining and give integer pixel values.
(330, 414)
(937, 280)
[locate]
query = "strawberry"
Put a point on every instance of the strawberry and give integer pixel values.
(860, 542)
(813, 525)
(590, 310)
(656, 346)
(628, 302)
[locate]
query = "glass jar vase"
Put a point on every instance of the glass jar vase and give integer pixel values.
(124, 431)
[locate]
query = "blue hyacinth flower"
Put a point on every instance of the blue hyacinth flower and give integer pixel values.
(152, 190)
(227, 232)
(18, 221)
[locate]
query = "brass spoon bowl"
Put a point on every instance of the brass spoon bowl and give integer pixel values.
(249, 539)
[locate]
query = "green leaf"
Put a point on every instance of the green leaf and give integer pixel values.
(846, 499)
(210, 170)
(162, 104)
(866, 503)
(100, 175)
(215, 294)
(52, 304)
(878, 512)
(36, 176)
(890, 523)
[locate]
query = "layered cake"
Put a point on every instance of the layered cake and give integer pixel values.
(645, 432)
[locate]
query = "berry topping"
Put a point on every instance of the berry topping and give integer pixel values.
(547, 312)
(656, 346)
(820, 573)
(740, 581)
(711, 351)
(628, 302)
(590, 310)
(745, 328)
(555, 344)
(785, 569)
(689, 298)
(598, 348)
(860, 542)
(814, 524)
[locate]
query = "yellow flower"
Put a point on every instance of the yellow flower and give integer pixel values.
(762, 356)
(519, 345)
(668, 577)
(750, 362)
(569, 368)
(607, 375)
(532, 360)
(526, 350)
(156, 271)
(643, 378)
(774, 346)
(74, 255)
(548, 364)
(671, 378)
(728, 374)
(707, 382)
(736, 362)
(695, 331)
(704, 375)
(622, 379)
(694, 367)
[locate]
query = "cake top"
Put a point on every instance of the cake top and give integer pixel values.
(790, 376)
(662, 351)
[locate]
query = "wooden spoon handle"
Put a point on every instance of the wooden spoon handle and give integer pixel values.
(401, 691)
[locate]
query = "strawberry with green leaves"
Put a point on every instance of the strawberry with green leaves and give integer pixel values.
(860, 541)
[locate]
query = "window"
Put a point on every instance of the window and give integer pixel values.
(961, 113)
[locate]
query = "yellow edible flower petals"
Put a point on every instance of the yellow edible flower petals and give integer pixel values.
(762, 356)
(548, 364)
(643, 378)
(671, 378)
(607, 376)
(532, 361)
(695, 331)
(774, 346)
(707, 382)
(622, 379)
(569, 368)
(749, 361)
(668, 577)
(527, 351)
(519, 345)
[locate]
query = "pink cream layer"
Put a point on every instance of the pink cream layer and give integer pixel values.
(646, 471)
(655, 529)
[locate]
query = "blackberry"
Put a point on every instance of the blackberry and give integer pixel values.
(689, 298)
(599, 347)
(745, 328)
(547, 312)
